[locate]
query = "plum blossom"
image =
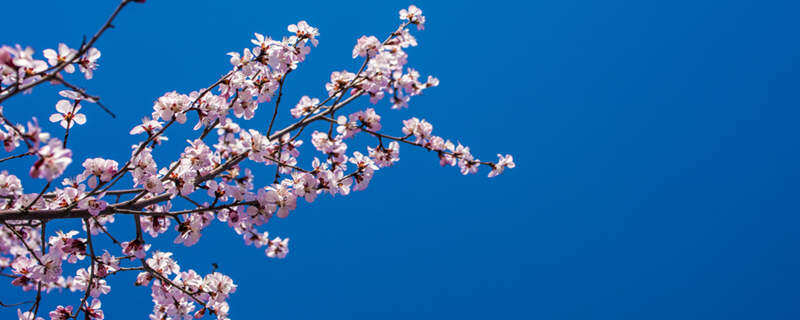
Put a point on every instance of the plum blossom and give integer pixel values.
(171, 104)
(414, 16)
(278, 248)
(303, 31)
(304, 107)
(68, 113)
(135, 248)
(93, 311)
(278, 196)
(95, 168)
(88, 63)
(366, 47)
(385, 157)
(220, 165)
(64, 54)
(149, 126)
(53, 160)
(61, 313)
(28, 315)
(506, 161)
(339, 80)
(420, 129)
(92, 205)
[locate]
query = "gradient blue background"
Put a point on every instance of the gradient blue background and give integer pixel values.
(656, 142)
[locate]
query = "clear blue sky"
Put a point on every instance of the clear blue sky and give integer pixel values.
(658, 160)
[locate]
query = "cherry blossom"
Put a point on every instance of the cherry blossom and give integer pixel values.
(64, 54)
(413, 15)
(53, 160)
(68, 113)
(506, 161)
(303, 31)
(304, 107)
(88, 63)
(366, 47)
(212, 180)
(278, 248)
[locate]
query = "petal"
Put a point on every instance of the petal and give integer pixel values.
(56, 117)
(79, 118)
(63, 106)
(49, 54)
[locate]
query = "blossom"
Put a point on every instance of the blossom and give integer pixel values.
(466, 161)
(27, 270)
(64, 54)
(94, 311)
(420, 129)
(339, 81)
(88, 63)
(278, 248)
(61, 313)
(366, 47)
(219, 286)
(95, 168)
(107, 264)
(305, 185)
(303, 31)
(28, 315)
(67, 113)
(153, 184)
(69, 248)
(171, 104)
(414, 16)
(163, 263)
(69, 94)
(368, 119)
(278, 196)
(148, 125)
(304, 107)
(219, 167)
(261, 41)
(92, 205)
(135, 248)
(53, 160)
(385, 157)
(245, 108)
(503, 162)
(10, 185)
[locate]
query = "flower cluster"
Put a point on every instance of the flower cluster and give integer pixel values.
(210, 181)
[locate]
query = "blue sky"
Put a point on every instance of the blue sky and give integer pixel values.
(656, 146)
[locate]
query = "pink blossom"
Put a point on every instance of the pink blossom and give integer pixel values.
(88, 63)
(61, 313)
(28, 315)
(135, 248)
(303, 31)
(171, 104)
(68, 113)
(93, 205)
(366, 47)
(278, 248)
(304, 107)
(63, 55)
(149, 126)
(339, 81)
(413, 15)
(94, 311)
(420, 129)
(506, 161)
(100, 168)
(53, 159)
